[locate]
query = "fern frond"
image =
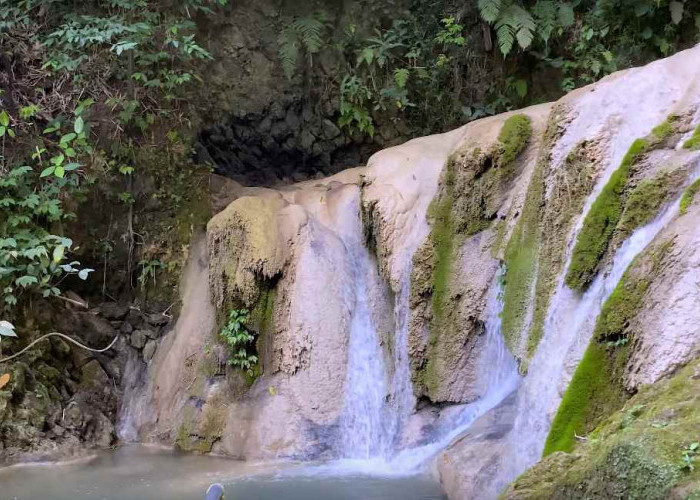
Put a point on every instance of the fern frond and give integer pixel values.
(525, 26)
(401, 77)
(545, 13)
(490, 10)
(566, 14)
(310, 29)
(505, 34)
(288, 42)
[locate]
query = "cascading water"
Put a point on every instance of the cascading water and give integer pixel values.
(363, 428)
(499, 379)
(568, 329)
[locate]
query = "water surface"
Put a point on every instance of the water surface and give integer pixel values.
(146, 473)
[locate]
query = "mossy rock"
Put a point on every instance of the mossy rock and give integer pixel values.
(613, 212)
(597, 387)
(635, 453)
(694, 142)
(689, 196)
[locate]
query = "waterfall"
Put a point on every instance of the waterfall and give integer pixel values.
(363, 429)
(568, 328)
(500, 378)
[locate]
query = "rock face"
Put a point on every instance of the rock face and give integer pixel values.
(667, 325)
(436, 218)
(646, 329)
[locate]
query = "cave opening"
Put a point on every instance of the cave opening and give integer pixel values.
(281, 145)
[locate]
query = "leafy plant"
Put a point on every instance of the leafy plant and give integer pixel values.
(32, 258)
(688, 456)
(301, 35)
(239, 341)
(149, 269)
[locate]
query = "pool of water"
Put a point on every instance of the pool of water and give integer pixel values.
(147, 473)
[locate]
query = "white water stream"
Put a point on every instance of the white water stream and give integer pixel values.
(364, 432)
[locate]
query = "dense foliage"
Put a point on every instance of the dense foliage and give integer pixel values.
(83, 86)
(437, 64)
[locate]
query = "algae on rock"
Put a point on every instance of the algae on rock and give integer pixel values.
(635, 453)
(597, 388)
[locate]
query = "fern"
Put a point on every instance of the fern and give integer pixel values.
(288, 50)
(514, 23)
(490, 10)
(304, 33)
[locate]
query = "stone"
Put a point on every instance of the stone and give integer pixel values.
(135, 318)
(113, 310)
(330, 129)
(139, 338)
(149, 350)
(307, 139)
(157, 319)
(126, 328)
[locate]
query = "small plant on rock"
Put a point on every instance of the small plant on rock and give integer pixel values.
(239, 341)
(688, 456)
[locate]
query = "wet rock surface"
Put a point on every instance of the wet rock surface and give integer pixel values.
(62, 400)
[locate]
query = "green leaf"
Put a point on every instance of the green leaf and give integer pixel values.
(59, 172)
(78, 125)
(4, 119)
(26, 280)
(83, 274)
(47, 171)
(58, 253)
(521, 88)
(11, 133)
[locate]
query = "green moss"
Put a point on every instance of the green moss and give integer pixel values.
(601, 221)
(512, 140)
(442, 237)
(689, 196)
(596, 389)
(571, 183)
(694, 142)
(644, 202)
(634, 453)
(590, 394)
(665, 129)
(521, 263)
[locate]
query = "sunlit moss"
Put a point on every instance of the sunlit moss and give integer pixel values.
(689, 196)
(600, 222)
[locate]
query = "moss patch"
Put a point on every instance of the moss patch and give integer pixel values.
(521, 262)
(689, 196)
(596, 389)
(601, 221)
(635, 453)
(694, 142)
(571, 183)
(644, 202)
(512, 141)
